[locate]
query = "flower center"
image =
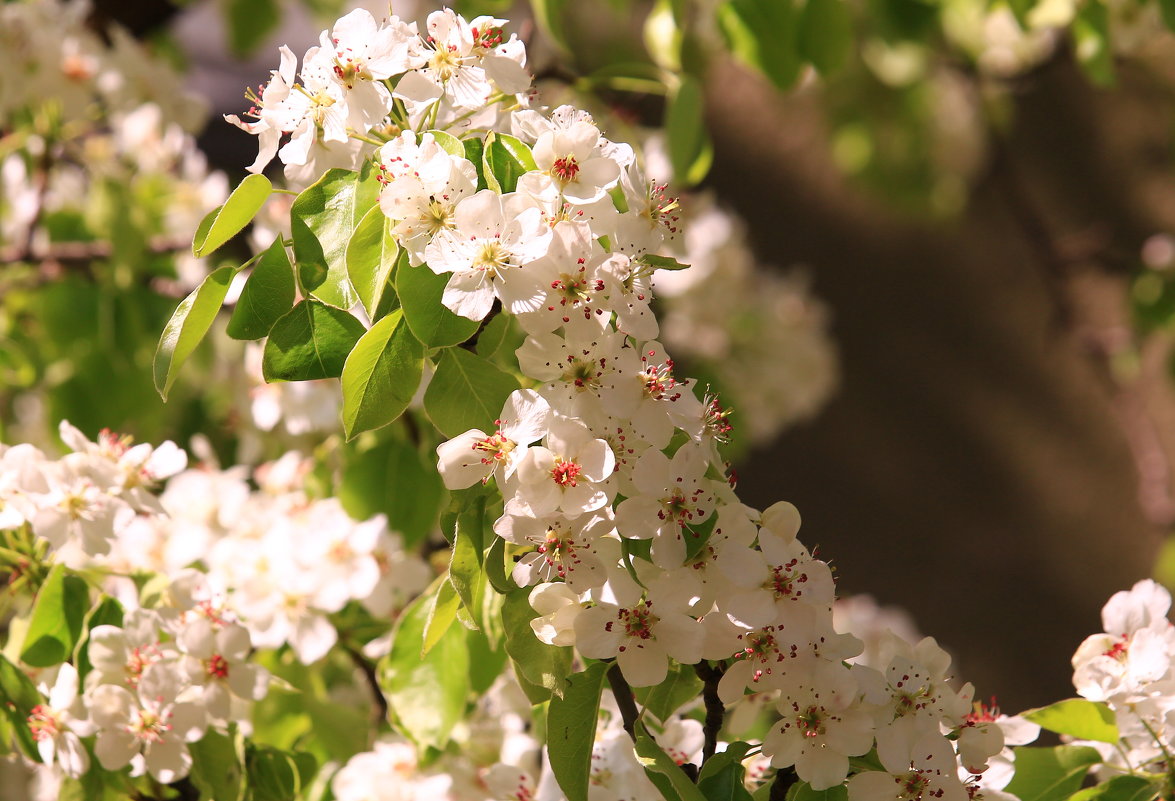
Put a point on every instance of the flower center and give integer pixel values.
(639, 621)
(566, 474)
(44, 723)
(148, 726)
(445, 62)
(491, 257)
(218, 667)
(811, 722)
(913, 785)
(565, 170)
(496, 447)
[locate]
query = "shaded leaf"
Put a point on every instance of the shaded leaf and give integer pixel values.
(571, 730)
(310, 341)
(268, 294)
(466, 392)
(420, 291)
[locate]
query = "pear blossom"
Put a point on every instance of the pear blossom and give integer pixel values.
(476, 456)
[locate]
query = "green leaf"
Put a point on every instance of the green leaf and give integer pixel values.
(466, 392)
(690, 150)
(762, 35)
(1091, 35)
(449, 143)
(268, 294)
(474, 148)
(721, 778)
(550, 16)
(681, 685)
(18, 696)
(663, 771)
(465, 566)
(1167, 7)
(426, 694)
(802, 791)
(238, 211)
(272, 774)
(250, 23)
(311, 340)
(1051, 774)
(393, 478)
(826, 34)
(496, 567)
(571, 730)
(380, 375)
(441, 615)
(543, 666)
(505, 160)
(1085, 720)
(663, 262)
(322, 221)
(371, 257)
(420, 291)
(216, 767)
(188, 325)
(1121, 788)
(57, 617)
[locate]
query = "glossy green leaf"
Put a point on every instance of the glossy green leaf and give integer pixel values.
(465, 566)
(544, 666)
(474, 150)
(420, 291)
(238, 211)
(1121, 788)
(663, 262)
(663, 771)
(449, 143)
(495, 565)
(826, 34)
(187, 326)
(1085, 720)
(1051, 774)
(466, 392)
(505, 160)
(18, 696)
(762, 35)
(217, 771)
(721, 778)
(322, 220)
(426, 695)
(690, 150)
(57, 617)
(268, 294)
(380, 375)
(441, 615)
(571, 730)
(371, 256)
(310, 341)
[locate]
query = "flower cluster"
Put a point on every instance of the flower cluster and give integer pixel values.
(341, 93)
(1130, 667)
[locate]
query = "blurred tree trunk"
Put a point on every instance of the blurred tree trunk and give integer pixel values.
(973, 467)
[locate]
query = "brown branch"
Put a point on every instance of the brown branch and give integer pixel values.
(79, 256)
(624, 699)
(715, 710)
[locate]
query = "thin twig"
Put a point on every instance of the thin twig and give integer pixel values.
(624, 699)
(379, 713)
(715, 709)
